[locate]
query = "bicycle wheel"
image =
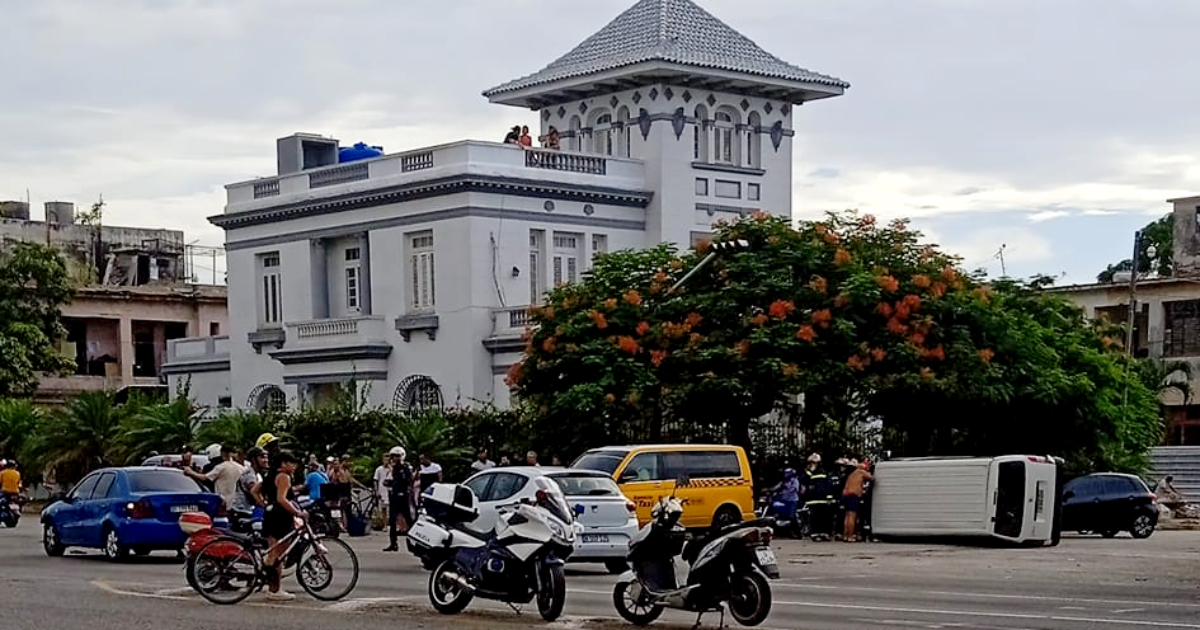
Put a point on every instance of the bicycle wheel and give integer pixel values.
(328, 569)
(225, 571)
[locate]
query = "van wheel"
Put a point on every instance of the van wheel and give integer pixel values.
(727, 515)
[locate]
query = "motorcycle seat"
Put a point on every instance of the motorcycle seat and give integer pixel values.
(692, 549)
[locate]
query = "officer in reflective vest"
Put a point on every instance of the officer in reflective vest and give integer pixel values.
(818, 497)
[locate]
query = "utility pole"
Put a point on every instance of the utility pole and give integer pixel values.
(1000, 255)
(1129, 320)
(717, 248)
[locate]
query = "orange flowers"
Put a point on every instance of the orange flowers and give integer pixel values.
(514, 374)
(841, 300)
(789, 369)
(917, 339)
(781, 308)
(936, 353)
(759, 320)
(657, 357)
(819, 284)
(912, 301)
(628, 344)
(938, 289)
(548, 345)
(806, 333)
(885, 309)
(888, 283)
(984, 293)
(922, 281)
(693, 319)
(926, 374)
(878, 354)
(599, 318)
(609, 398)
(822, 318)
(841, 257)
(643, 328)
(742, 347)
(902, 311)
(855, 362)
(896, 327)
(610, 303)
(703, 245)
(949, 273)
(634, 298)
(675, 331)
(986, 355)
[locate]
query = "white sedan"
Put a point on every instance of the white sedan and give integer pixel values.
(609, 519)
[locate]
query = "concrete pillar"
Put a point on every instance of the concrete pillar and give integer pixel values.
(1157, 320)
(127, 353)
(364, 289)
(320, 279)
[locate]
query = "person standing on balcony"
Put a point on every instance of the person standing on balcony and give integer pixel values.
(513, 136)
(553, 142)
(525, 140)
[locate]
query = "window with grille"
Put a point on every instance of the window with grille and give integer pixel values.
(565, 263)
(724, 138)
(353, 278)
(1182, 335)
(270, 296)
(421, 269)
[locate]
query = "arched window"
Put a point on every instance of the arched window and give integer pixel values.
(725, 136)
(416, 394)
(623, 132)
(699, 136)
(573, 144)
(754, 141)
(267, 397)
(603, 134)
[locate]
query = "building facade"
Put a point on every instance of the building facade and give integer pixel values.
(1166, 318)
(412, 273)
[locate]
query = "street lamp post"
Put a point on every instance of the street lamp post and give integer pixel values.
(1131, 319)
(717, 248)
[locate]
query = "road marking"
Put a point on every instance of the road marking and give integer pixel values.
(1127, 610)
(1084, 600)
(998, 615)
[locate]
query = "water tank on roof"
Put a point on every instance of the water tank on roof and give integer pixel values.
(14, 210)
(61, 212)
(360, 151)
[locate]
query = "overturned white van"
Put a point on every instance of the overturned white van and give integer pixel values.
(1013, 498)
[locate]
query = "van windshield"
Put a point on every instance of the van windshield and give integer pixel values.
(604, 461)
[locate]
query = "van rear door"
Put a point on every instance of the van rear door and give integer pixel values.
(1010, 499)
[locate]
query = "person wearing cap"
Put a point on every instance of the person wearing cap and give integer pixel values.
(399, 496)
(224, 475)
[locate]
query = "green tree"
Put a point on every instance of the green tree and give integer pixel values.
(33, 287)
(239, 428)
(81, 437)
(864, 320)
(427, 433)
(1160, 234)
(163, 427)
(20, 421)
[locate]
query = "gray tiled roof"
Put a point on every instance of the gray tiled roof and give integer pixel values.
(674, 31)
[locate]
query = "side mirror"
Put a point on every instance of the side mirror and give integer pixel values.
(63, 496)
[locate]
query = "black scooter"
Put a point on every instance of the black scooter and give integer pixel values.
(729, 567)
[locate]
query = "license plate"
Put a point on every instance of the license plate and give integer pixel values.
(335, 513)
(595, 538)
(180, 509)
(766, 556)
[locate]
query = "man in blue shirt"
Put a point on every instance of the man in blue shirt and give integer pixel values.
(314, 480)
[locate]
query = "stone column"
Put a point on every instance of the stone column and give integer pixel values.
(364, 272)
(127, 353)
(320, 279)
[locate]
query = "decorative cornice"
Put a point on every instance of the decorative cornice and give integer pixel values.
(335, 377)
(541, 189)
(296, 356)
(195, 367)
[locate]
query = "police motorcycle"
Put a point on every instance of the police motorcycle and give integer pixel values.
(728, 567)
(519, 561)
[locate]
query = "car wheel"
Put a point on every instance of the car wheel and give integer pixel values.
(1143, 526)
(725, 516)
(616, 566)
(51, 541)
(113, 549)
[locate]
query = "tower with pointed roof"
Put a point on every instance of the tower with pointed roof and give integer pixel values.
(708, 112)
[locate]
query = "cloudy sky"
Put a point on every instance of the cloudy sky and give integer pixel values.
(1052, 127)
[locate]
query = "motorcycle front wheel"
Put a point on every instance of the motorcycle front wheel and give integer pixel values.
(749, 598)
(635, 612)
(553, 594)
(447, 597)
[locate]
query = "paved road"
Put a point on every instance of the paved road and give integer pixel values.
(1084, 583)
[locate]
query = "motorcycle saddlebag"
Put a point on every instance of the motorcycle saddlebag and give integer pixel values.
(450, 503)
(426, 533)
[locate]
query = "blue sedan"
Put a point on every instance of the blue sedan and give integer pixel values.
(125, 509)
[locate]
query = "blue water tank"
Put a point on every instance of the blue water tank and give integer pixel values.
(360, 151)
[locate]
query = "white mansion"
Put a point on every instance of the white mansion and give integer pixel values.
(412, 272)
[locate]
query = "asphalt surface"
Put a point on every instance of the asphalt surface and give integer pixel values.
(1084, 583)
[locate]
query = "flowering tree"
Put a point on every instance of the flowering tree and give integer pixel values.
(859, 317)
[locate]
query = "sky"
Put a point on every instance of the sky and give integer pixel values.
(1050, 128)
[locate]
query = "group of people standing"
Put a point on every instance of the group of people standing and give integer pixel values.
(824, 492)
(519, 135)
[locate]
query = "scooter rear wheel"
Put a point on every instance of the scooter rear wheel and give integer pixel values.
(749, 598)
(637, 613)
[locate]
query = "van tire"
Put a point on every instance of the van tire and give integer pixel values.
(726, 515)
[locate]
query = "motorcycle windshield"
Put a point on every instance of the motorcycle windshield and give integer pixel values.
(551, 499)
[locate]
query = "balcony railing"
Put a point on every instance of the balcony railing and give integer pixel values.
(448, 160)
(511, 321)
(569, 162)
(337, 330)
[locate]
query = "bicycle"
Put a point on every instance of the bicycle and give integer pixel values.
(230, 568)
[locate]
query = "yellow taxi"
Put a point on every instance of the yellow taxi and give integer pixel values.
(720, 492)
